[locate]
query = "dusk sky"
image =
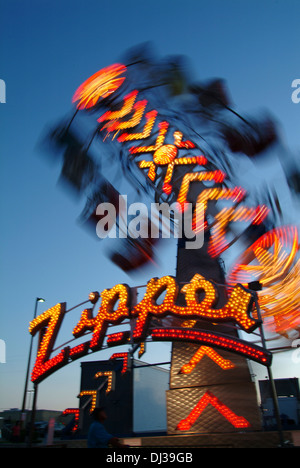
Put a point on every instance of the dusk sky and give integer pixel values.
(48, 48)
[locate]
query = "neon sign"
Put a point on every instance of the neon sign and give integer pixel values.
(212, 354)
(109, 375)
(51, 320)
(238, 309)
(93, 394)
(209, 398)
(124, 357)
(215, 339)
(76, 413)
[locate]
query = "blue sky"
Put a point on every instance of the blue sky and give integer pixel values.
(48, 48)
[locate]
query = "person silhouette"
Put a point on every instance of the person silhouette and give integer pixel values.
(98, 437)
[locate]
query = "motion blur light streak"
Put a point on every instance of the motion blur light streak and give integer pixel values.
(146, 131)
(218, 242)
(217, 176)
(112, 117)
(272, 260)
(99, 86)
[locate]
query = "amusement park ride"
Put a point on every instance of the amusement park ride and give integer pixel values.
(173, 142)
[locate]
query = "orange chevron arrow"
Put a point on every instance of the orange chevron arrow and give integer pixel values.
(212, 354)
(210, 398)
